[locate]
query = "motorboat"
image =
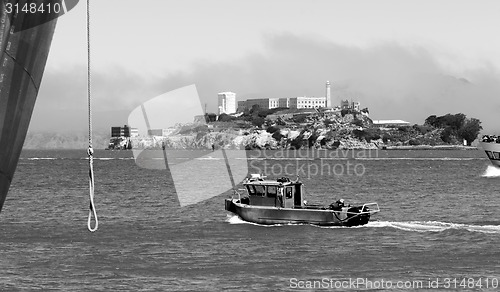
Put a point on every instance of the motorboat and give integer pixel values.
(280, 201)
(491, 146)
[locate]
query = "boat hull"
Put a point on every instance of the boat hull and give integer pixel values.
(492, 150)
(23, 54)
(315, 216)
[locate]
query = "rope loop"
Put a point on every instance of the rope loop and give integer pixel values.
(92, 210)
(90, 151)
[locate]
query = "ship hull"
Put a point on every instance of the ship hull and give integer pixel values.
(492, 150)
(23, 55)
(315, 216)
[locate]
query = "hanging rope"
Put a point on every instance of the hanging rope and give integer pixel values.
(90, 151)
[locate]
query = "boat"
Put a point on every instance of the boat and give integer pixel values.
(491, 146)
(25, 40)
(280, 201)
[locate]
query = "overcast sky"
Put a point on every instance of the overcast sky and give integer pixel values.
(401, 59)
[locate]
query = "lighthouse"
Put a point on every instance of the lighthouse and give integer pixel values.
(328, 97)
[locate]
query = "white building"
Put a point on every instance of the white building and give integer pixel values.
(355, 106)
(293, 102)
(307, 102)
(390, 123)
(227, 103)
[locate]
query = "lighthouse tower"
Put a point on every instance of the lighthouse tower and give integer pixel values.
(328, 97)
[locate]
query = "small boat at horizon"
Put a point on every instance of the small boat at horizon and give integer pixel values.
(491, 146)
(281, 201)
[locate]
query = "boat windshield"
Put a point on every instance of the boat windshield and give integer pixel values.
(256, 190)
(272, 191)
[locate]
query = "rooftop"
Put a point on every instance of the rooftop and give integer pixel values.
(260, 180)
(383, 122)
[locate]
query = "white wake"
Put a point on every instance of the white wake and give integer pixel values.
(491, 171)
(412, 226)
(434, 226)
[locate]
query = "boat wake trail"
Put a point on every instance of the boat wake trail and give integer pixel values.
(39, 158)
(412, 226)
(435, 226)
(235, 219)
(491, 171)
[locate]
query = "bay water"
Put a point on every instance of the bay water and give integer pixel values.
(438, 229)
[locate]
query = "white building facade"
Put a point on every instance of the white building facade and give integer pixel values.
(292, 102)
(307, 102)
(227, 102)
(263, 103)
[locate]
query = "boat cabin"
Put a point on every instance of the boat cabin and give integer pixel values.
(281, 193)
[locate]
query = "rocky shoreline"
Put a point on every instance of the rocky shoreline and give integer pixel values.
(313, 130)
(264, 140)
(429, 147)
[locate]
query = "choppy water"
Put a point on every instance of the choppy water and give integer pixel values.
(439, 219)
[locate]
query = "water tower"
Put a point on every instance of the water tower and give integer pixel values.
(328, 97)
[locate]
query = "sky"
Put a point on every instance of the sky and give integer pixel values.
(402, 59)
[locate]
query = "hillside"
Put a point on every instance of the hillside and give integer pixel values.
(298, 129)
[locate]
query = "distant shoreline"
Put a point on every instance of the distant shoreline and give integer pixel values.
(429, 147)
(406, 147)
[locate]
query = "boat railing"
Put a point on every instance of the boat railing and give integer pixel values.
(236, 192)
(373, 208)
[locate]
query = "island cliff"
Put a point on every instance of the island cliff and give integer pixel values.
(318, 129)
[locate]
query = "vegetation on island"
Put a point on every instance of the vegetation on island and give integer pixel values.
(320, 128)
(455, 127)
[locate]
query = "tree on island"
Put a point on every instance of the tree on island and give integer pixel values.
(455, 126)
(470, 130)
(258, 121)
(446, 135)
(225, 118)
(455, 122)
(210, 117)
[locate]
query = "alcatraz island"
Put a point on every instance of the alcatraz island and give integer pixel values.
(298, 123)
